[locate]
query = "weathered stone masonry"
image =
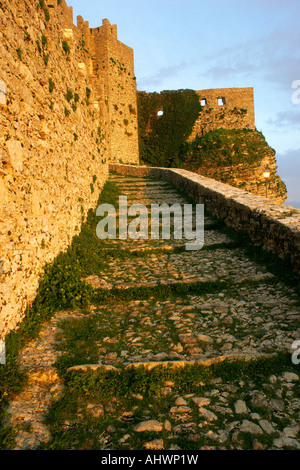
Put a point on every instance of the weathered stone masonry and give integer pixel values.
(59, 127)
(275, 227)
(230, 108)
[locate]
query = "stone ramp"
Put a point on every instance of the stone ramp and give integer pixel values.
(250, 321)
(147, 191)
(187, 267)
(245, 313)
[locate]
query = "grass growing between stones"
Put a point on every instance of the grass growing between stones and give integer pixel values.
(60, 287)
(12, 379)
(164, 291)
(149, 324)
(100, 410)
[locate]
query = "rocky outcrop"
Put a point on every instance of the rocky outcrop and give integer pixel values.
(237, 157)
(250, 178)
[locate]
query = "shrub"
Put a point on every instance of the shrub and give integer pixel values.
(66, 47)
(224, 147)
(69, 95)
(51, 85)
(61, 286)
(46, 59)
(38, 46)
(88, 95)
(44, 40)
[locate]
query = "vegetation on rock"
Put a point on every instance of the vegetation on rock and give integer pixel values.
(161, 136)
(224, 147)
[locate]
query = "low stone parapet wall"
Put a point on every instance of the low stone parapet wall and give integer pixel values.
(274, 227)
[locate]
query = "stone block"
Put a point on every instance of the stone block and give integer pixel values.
(68, 34)
(2, 93)
(25, 73)
(148, 426)
(16, 154)
(82, 69)
(3, 193)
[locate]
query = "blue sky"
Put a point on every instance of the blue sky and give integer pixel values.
(201, 44)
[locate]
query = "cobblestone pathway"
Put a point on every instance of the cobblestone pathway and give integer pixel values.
(251, 315)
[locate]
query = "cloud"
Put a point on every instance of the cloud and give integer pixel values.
(290, 118)
(289, 170)
(289, 162)
(288, 165)
(157, 79)
(283, 70)
(274, 57)
(229, 71)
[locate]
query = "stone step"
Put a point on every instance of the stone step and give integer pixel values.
(191, 266)
(193, 328)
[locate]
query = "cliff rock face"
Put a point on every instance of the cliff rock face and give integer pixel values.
(250, 178)
(59, 87)
(235, 157)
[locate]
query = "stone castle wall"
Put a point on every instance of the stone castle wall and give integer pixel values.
(58, 88)
(230, 108)
(116, 61)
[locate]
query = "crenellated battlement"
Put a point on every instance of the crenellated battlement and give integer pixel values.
(106, 28)
(66, 12)
(111, 64)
